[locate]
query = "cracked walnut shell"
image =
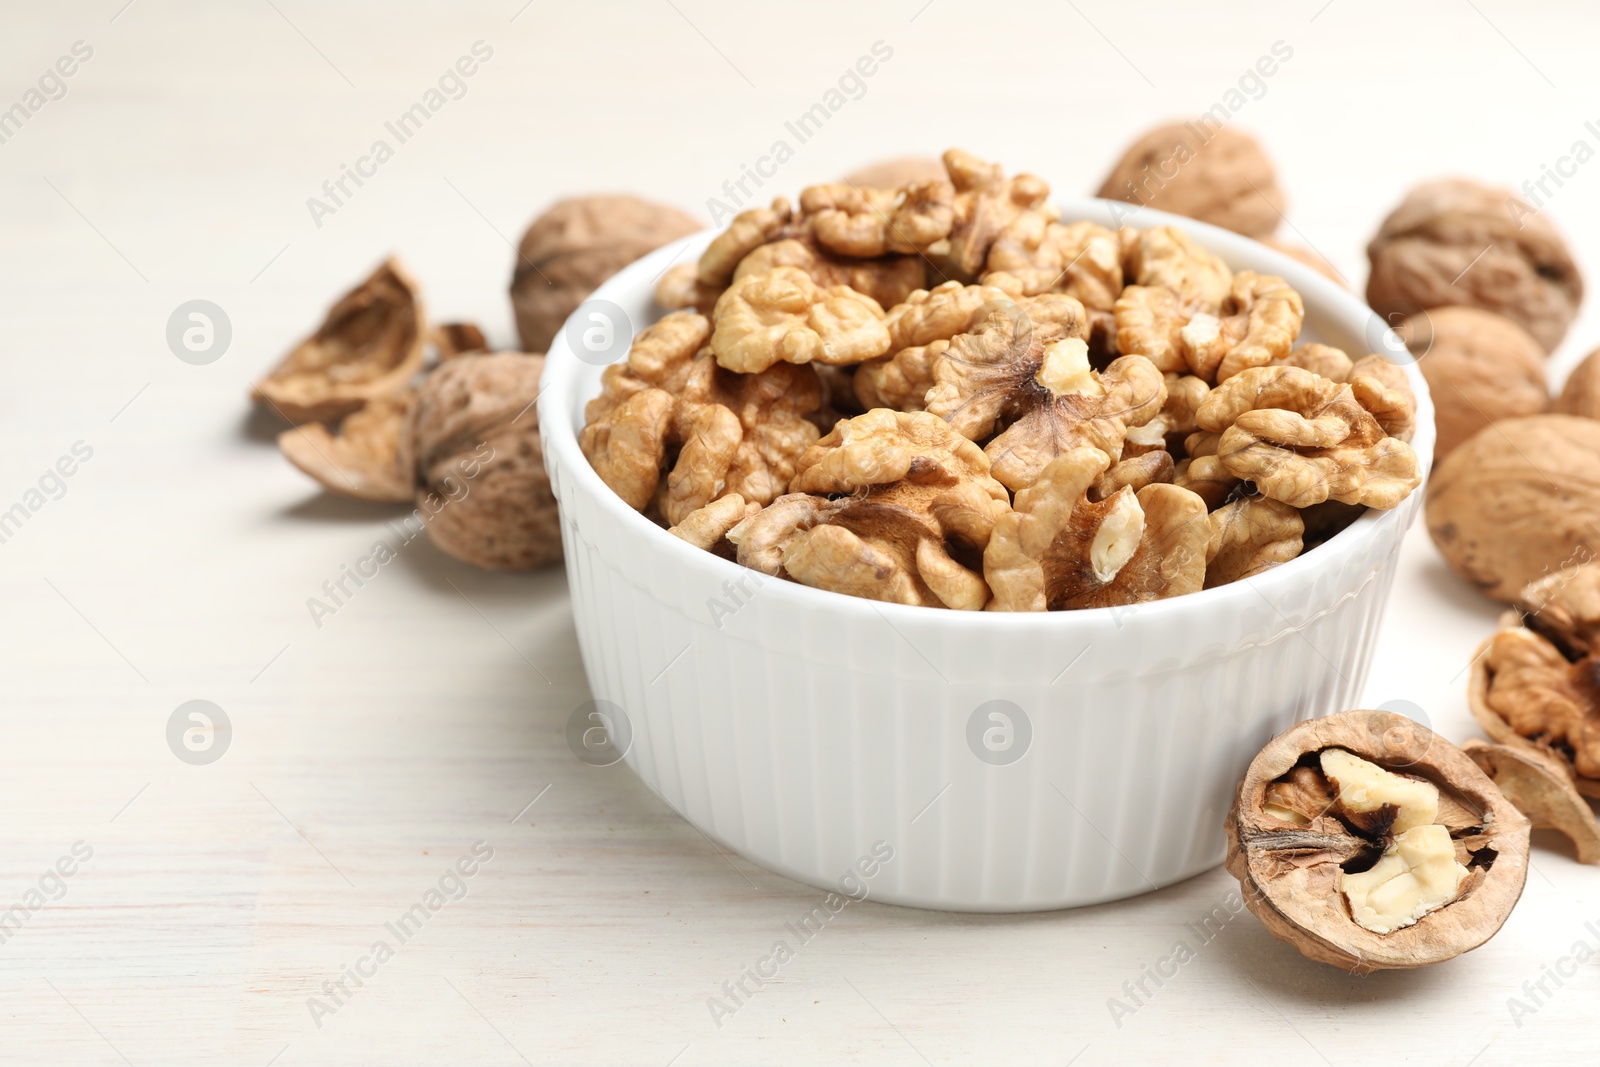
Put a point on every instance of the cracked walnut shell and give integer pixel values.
(365, 459)
(574, 246)
(1519, 499)
(1457, 242)
(1058, 549)
(1303, 439)
(370, 344)
(1219, 176)
(473, 437)
(1540, 785)
(1369, 843)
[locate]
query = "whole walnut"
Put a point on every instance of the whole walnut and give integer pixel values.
(473, 442)
(1581, 394)
(1218, 176)
(1481, 368)
(573, 247)
(1517, 500)
(896, 172)
(1457, 242)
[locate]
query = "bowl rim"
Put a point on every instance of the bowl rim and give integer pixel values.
(560, 409)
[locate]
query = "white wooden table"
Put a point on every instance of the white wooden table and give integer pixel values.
(369, 754)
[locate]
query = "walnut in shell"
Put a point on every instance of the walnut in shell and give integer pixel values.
(365, 459)
(1218, 176)
(1581, 393)
(1481, 368)
(1369, 843)
(1517, 500)
(1458, 242)
(893, 173)
(370, 344)
(574, 246)
(474, 442)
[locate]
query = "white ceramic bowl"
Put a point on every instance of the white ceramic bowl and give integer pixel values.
(805, 728)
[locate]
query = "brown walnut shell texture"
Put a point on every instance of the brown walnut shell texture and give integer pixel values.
(365, 459)
(1541, 787)
(1456, 241)
(1296, 894)
(1581, 393)
(1481, 368)
(370, 344)
(1219, 176)
(1519, 499)
(474, 440)
(577, 244)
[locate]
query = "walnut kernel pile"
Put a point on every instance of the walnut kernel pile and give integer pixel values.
(942, 394)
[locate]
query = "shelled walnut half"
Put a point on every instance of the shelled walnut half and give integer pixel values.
(1369, 843)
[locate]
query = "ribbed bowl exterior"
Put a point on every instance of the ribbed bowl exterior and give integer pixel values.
(802, 728)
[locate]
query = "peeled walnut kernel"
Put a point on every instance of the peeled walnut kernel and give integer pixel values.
(1526, 692)
(1303, 439)
(1369, 843)
(370, 344)
(364, 460)
(1057, 549)
(1220, 176)
(1249, 536)
(574, 246)
(473, 435)
(1457, 242)
(1518, 499)
(986, 202)
(783, 316)
(1480, 367)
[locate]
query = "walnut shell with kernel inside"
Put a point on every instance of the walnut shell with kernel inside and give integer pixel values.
(473, 435)
(1458, 242)
(573, 247)
(1370, 843)
(1519, 499)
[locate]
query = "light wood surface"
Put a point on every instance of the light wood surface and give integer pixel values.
(427, 714)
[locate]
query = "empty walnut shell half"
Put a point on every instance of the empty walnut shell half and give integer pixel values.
(364, 459)
(1220, 176)
(1456, 241)
(1540, 785)
(1363, 822)
(573, 247)
(473, 435)
(371, 344)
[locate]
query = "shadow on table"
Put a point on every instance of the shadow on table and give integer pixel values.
(261, 426)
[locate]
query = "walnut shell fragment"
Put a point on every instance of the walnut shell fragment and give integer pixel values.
(1220, 176)
(1456, 241)
(1519, 499)
(370, 344)
(482, 486)
(1540, 785)
(1415, 808)
(365, 459)
(574, 246)
(452, 339)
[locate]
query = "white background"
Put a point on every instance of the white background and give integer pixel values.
(427, 713)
